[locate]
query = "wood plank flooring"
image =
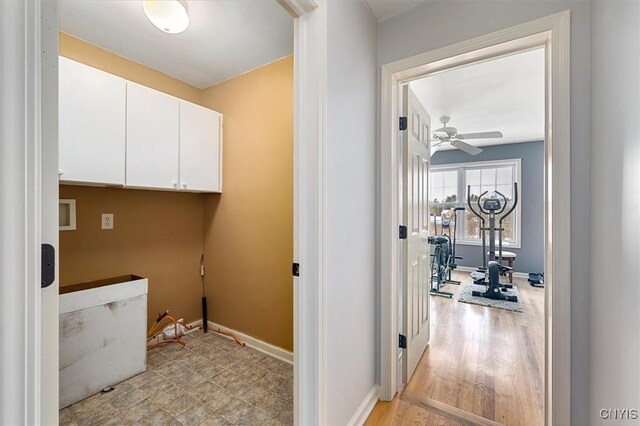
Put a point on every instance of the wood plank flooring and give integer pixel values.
(483, 366)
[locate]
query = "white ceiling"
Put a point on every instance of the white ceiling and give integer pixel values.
(224, 39)
(505, 94)
(384, 9)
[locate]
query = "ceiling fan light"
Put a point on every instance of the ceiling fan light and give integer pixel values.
(169, 16)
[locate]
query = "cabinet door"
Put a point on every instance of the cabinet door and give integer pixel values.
(200, 148)
(152, 138)
(92, 125)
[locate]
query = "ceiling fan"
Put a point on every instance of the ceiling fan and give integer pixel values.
(451, 136)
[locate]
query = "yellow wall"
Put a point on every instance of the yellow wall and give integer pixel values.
(157, 234)
(88, 54)
(249, 228)
(247, 231)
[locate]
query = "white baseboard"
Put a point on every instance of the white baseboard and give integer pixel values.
(524, 275)
(252, 342)
(365, 408)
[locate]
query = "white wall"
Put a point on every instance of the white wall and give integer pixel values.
(615, 203)
(351, 208)
(437, 24)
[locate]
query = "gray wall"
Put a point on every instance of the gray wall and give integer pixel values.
(428, 27)
(531, 255)
(615, 207)
(351, 207)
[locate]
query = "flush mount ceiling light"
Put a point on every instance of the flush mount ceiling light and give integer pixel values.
(169, 16)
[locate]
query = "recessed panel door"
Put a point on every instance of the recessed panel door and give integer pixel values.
(416, 153)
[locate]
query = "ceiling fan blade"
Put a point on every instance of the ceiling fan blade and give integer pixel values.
(468, 148)
(481, 135)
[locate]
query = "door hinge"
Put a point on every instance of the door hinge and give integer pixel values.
(403, 123)
(402, 341)
(295, 269)
(403, 232)
(47, 265)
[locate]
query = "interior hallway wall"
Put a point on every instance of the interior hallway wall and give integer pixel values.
(351, 207)
(248, 229)
(615, 203)
(157, 234)
(531, 190)
(428, 27)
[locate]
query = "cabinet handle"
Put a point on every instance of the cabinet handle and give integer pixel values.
(184, 184)
(175, 184)
(60, 172)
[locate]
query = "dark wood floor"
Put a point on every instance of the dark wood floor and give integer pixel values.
(482, 366)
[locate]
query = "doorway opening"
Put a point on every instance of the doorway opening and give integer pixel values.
(405, 308)
(34, 365)
(176, 157)
(484, 193)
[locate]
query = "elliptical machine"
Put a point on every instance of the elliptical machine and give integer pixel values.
(492, 206)
(443, 258)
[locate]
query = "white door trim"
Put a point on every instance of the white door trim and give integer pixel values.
(557, 146)
(310, 104)
(20, 213)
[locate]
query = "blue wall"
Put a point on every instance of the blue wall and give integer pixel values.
(531, 255)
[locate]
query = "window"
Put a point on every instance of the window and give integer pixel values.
(448, 189)
(444, 195)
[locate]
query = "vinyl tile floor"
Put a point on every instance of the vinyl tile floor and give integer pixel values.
(211, 381)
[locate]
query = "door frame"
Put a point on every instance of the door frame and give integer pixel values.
(28, 186)
(309, 217)
(553, 33)
(31, 47)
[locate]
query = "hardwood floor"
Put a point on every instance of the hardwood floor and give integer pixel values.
(483, 366)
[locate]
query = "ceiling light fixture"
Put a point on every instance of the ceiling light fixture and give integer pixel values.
(169, 16)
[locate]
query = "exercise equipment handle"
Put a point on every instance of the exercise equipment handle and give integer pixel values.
(455, 229)
(513, 207)
(478, 200)
(484, 243)
(515, 201)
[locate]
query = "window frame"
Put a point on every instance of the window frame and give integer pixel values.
(461, 168)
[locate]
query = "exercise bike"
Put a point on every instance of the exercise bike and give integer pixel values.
(443, 258)
(492, 206)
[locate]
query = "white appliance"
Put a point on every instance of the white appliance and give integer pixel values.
(103, 329)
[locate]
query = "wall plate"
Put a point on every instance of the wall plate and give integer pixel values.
(67, 215)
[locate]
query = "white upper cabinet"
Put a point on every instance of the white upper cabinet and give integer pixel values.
(152, 138)
(200, 148)
(116, 132)
(91, 125)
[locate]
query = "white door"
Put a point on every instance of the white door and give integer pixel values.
(152, 138)
(200, 148)
(49, 317)
(92, 130)
(415, 212)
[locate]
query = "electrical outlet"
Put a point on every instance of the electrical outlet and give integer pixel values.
(107, 221)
